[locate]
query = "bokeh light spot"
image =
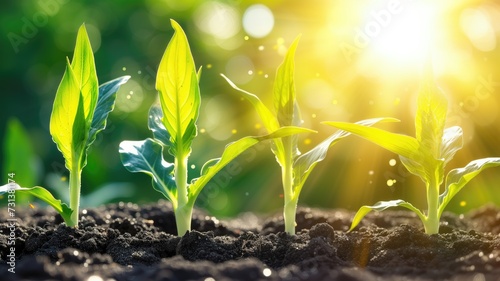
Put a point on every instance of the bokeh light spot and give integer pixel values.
(477, 26)
(392, 162)
(258, 21)
(217, 19)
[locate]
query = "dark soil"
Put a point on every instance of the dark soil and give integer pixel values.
(131, 242)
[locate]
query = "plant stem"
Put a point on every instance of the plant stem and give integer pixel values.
(431, 225)
(290, 207)
(184, 211)
(75, 180)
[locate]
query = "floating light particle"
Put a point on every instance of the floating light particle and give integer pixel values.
(139, 72)
(202, 130)
(370, 182)
(76, 253)
(246, 38)
(257, 126)
(397, 101)
(84, 211)
(391, 182)
(193, 166)
(247, 193)
(234, 131)
(261, 48)
(280, 41)
(129, 97)
(392, 162)
(124, 68)
(307, 141)
(463, 203)
(267, 272)
(266, 76)
(371, 172)
(209, 66)
(313, 115)
(250, 72)
(64, 178)
(131, 92)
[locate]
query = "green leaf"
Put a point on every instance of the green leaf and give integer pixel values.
(305, 163)
(232, 151)
(64, 114)
(458, 178)
(268, 119)
(156, 126)
(177, 83)
(403, 145)
(381, 206)
(431, 115)
(105, 104)
(83, 67)
(284, 89)
(452, 142)
(44, 195)
(147, 157)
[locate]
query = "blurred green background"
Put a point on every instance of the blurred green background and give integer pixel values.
(355, 60)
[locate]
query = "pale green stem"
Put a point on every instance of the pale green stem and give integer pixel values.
(431, 225)
(290, 207)
(183, 212)
(75, 178)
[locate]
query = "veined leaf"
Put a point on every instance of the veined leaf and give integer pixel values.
(234, 149)
(458, 178)
(452, 142)
(284, 88)
(64, 114)
(83, 67)
(44, 195)
(267, 117)
(156, 126)
(305, 163)
(403, 145)
(431, 115)
(380, 206)
(147, 157)
(177, 83)
(105, 104)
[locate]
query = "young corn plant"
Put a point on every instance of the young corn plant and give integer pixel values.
(79, 113)
(424, 156)
(173, 126)
(295, 167)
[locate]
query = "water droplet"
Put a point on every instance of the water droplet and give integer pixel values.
(392, 162)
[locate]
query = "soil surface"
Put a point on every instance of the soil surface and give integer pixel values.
(130, 242)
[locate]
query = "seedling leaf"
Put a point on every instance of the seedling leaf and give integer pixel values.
(458, 178)
(156, 126)
(177, 83)
(147, 157)
(380, 206)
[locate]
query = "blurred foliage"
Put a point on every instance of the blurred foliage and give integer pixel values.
(357, 60)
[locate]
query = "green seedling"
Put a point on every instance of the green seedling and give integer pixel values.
(424, 156)
(295, 167)
(173, 126)
(80, 112)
